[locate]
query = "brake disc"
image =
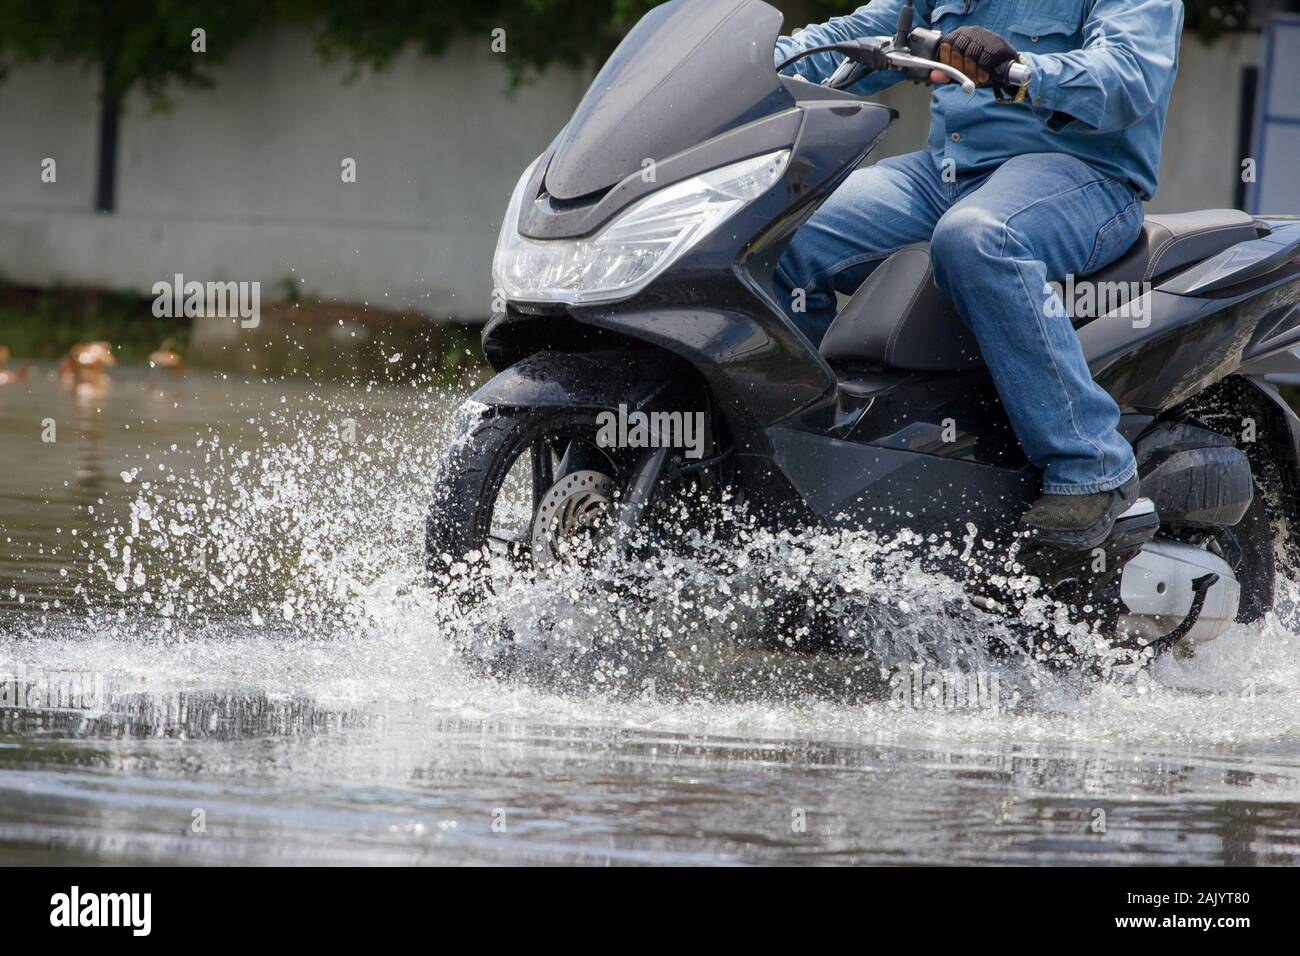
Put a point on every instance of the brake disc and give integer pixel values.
(572, 516)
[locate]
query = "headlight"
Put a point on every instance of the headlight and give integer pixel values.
(635, 247)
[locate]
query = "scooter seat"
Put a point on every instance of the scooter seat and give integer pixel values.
(898, 317)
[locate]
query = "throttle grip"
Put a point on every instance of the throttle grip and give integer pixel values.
(1018, 74)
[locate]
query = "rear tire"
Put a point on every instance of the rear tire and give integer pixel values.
(1256, 570)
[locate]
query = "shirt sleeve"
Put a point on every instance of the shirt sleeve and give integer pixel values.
(1128, 59)
(877, 18)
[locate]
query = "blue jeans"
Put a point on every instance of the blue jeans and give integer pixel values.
(997, 238)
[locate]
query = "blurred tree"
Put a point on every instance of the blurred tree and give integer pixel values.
(535, 33)
(539, 33)
(150, 44)
(130, 44)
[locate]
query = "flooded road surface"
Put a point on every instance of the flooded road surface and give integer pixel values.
(216, 647)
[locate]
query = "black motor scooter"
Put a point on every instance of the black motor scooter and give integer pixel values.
(635, 266)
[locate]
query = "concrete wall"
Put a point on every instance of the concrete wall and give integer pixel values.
(242, 182)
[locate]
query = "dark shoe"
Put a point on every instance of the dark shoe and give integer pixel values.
(1078, 522)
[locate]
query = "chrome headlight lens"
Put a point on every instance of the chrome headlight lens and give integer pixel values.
(633, 249)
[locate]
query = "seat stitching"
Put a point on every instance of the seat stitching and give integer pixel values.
(1159, 251)
(891, 343)
(1174, 240)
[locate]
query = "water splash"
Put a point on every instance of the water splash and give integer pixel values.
(288, 554)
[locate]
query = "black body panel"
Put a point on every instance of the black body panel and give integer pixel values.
(888, 489)
(591, 380)
(759, 373)
(545, 218)
(1188, 345)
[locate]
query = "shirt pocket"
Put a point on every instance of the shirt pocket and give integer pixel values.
(953, 11)
(1049, 26)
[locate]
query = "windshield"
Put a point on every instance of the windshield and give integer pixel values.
(690, 70)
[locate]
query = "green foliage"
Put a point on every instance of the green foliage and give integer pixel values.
(130, 43)
(42, 324)
(538, 33)
(1212, 18)
(146, 44)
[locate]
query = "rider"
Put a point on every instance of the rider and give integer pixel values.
(1012, 196)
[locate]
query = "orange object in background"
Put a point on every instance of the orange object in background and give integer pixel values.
(167, 358)
(8, 376)
(85, 367)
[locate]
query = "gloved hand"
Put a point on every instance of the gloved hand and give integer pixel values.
(981, 54)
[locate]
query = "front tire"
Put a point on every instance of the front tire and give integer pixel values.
(465, 525)
(513, 460)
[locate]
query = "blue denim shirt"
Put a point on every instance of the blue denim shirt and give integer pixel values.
(1101, 75)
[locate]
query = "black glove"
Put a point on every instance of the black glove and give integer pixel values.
(988, 51)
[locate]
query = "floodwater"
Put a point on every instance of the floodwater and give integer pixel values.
(217, 646)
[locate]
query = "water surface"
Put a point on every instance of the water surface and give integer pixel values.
(216, 647)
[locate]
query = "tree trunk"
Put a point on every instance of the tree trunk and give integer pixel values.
(110, 116)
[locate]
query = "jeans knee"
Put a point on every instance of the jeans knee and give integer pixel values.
(964, 237)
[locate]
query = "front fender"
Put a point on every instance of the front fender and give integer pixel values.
(594, 380)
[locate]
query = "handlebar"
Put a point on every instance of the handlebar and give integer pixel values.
(925, 44)
(915, 60)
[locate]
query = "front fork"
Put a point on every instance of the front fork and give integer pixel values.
(658, 469)
(640, 492)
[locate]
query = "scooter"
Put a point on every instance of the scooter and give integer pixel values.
(635, 269)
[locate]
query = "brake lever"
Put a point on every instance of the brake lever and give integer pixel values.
(880, 53)
(909, 61)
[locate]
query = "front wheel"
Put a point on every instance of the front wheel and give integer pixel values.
(519, 489)
(523, 491)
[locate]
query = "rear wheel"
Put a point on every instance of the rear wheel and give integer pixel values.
(1248, 548)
